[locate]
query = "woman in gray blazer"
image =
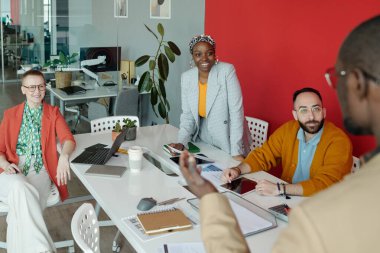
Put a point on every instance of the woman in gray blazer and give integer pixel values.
(212, 103)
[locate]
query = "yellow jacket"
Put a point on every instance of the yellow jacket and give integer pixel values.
(332, 159)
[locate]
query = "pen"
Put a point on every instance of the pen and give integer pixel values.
(170, 201)
(195, 155)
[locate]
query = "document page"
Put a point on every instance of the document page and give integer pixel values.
(249, 222)
(196, 247)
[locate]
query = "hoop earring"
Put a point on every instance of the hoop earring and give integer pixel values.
(217, 61)
(191, 63)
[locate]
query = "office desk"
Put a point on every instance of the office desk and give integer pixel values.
(119, 197)
(92, 93)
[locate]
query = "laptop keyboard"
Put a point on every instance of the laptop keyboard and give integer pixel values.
(96, 156)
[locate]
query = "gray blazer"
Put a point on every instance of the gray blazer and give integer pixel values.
(224, 109)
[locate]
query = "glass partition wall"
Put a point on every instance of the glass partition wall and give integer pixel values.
(35, 31)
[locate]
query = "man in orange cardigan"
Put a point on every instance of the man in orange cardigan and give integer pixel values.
(314, 153)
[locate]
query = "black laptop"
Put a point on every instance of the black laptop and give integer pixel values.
(100, 155)
(73, 90)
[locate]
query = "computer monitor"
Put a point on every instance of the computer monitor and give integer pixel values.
(112, 54)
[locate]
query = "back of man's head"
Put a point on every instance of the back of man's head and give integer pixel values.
(361, 49)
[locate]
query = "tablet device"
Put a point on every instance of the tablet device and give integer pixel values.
(197, 160)
(241, 185)
(106, 170)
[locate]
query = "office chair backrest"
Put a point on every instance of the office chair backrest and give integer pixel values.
(259, 130)
(85, 228)
(127, 102)
(107, 124)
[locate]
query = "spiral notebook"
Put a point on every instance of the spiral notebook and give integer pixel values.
(164, 221)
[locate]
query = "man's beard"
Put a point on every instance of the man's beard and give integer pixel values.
(353, 128)
(312, 130)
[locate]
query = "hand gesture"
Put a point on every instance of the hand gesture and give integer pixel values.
(63, 170)
(178, 146)
(230, 174)
(11, 169)
(197, 184)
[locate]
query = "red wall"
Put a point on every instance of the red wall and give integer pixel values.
(280, 46)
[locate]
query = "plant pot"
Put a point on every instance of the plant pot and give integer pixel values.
(114, 135)
(131, 134)
(63, 79)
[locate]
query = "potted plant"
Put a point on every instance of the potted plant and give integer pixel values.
(129, 126)
(62, 78)
(153, 80)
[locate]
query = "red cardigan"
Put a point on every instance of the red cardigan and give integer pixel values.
(53, 125)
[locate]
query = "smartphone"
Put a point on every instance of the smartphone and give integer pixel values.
(197, 160)
(241, 185)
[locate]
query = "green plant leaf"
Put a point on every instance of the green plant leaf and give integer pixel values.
(142, 60)
(160, 29)
(152, 64)
(154, 110)
(169, 53)
(162, 110)
(56, 62)
(150, 85)
(117, 127)
(128, 123)
(144, 80)
(163, 66)
(174, 48)
(167, 104)
(153, 96)
(162, 88)
(48, 63)
(62, 58)
(151, 31)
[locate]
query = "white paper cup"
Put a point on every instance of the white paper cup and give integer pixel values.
(135, 154)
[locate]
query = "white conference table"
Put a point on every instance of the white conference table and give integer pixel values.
(93, 92)
(119, 196)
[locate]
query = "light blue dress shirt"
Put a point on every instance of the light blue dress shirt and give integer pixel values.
(306, 151)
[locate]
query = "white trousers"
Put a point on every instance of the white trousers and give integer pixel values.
(26, 197)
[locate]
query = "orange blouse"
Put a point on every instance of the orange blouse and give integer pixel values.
(202, 99)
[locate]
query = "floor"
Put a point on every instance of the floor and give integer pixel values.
(58, 218)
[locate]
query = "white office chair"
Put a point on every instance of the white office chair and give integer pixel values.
(259, 130)
(85, 229)
(355, 164)
(107, 124)
(51, 201)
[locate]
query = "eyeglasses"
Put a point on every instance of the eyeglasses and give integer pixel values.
(32, 88)
(332, 76)
(314, 110)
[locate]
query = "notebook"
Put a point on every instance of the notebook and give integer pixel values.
(164, 221)
(100, 155)
(106, 170)
(73, 90)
